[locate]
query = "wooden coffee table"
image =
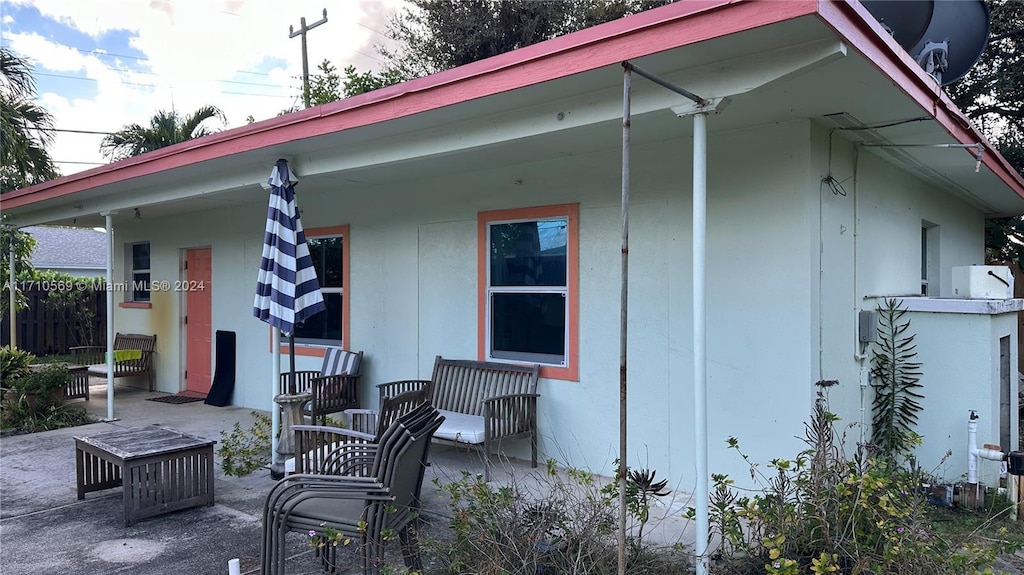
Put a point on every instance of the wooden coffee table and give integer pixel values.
(166, 470)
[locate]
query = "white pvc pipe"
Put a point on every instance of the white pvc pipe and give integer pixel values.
(109, 217)
(973, 453)
(275, 413)
(233, 567)
(700, 380)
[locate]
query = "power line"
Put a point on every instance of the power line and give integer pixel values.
(254, 95)
(69, 131)
(370, 56)
(87, 79)
(104, 53)
(81, 163)
(371, 29)
(154, 86)
(84, 79)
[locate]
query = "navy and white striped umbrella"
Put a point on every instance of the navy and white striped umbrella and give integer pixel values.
(287, 290)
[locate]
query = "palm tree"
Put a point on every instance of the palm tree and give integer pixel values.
(164, 129)
(25, 127)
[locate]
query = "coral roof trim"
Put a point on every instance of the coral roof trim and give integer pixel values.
(663, 28)
(853, 22)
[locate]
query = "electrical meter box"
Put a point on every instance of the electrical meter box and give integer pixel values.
(982, 282)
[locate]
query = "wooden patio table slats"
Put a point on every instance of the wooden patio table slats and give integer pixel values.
(161, 470)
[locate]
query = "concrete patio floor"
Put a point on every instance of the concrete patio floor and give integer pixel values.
(45, 529)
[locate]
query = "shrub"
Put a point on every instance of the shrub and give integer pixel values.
(824, 513)
(35, 401)
(70, 300)
(14, 364)
(565, 523)
(896, 379)
(243, 451)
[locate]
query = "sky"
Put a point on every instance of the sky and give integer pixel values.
(100, 65)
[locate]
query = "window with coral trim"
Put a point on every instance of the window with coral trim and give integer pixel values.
(528, 270)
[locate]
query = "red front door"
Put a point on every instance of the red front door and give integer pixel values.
(198, 287)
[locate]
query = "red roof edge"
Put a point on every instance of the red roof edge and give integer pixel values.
(853, 22)
(666, 27)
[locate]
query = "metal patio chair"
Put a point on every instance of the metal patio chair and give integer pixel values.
(361, 508)
(335, 387)
(317, 447)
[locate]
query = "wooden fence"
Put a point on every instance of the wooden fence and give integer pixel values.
(46, 328)
(1018, 292)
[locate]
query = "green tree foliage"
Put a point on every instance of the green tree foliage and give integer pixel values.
(356, 83)
(23, 244)
(25, 127)
(435, 35)
(992, 93)
(164, 129)
(1004, 240)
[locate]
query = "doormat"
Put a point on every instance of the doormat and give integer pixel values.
(175, 399)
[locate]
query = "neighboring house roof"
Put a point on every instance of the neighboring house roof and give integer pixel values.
(68, 248)
(676, 38)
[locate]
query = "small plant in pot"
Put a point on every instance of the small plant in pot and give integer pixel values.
(35, 402)
(43, 387)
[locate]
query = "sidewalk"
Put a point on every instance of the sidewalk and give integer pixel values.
(45, 529)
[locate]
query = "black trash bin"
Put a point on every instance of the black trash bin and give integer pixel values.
(1015, 462)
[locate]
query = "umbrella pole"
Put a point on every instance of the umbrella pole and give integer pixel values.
(274, 410)
(291, 362)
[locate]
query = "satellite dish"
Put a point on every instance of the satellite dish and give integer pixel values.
(906, 20)
(964, 26)
(945, 37)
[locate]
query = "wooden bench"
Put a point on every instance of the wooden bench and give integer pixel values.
(78, 387)
(482, 402)
(95, 357)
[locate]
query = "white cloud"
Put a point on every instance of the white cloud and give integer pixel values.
(195, 53)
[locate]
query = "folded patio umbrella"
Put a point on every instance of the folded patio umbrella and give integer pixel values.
(287, 290)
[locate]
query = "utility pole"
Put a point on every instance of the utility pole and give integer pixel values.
(305, 58)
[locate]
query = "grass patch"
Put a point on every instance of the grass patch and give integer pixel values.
(994, 528)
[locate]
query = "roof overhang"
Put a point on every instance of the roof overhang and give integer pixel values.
(561, 99)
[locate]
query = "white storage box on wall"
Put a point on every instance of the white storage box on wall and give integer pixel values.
(982, 282)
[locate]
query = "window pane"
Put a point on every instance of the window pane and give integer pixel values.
(140, 256)
(140, 287)
(924, 253)
(529, 253)
(326, 254)
(325, 325)
(529, 323)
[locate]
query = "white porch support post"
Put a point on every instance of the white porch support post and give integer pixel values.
(12, 294)
(698, 108)
(275, 412)
(109, 216)
(700, 380)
